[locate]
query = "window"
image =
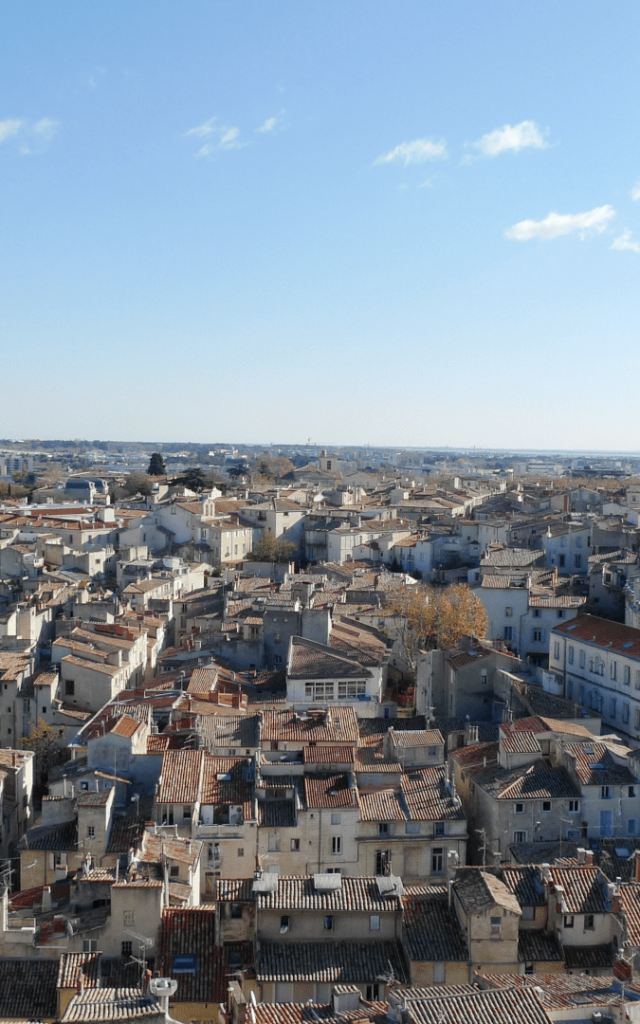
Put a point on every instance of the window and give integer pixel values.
(128, 918)
(186, 813)
(520, 837)
(69, 687)
(382, 861)
(284, 924)
(351, 690)
(519, 808)
(632, 790)
(560, 613)
(328, 923)
(546, 805)
(437, 860)
(508, 632)
(536, 636)
(236, 911)
(508, 612)
(529, 968)
(412, 828)
(583, 659)
(556, 650)
(438, 828)
(175, 871)
(295, 845)
(495, 927)
(319, 691)
(335, 819)
(571, 650)
(561, 561)
(439, 973)
(373, 992)
(528, 913)
(632, 826)
(574, 805)
(626, 675)
(588, 923)
(612, 707)
(91, 831)
(613, 669)
(637, 679)
(568, 920)
(336, 844)
(126, 948)
(374, 923)
(383, 828)
(605, 793)
(636, 718)
(577, 561)
(625, 712)
(240, 851)
(89, 945)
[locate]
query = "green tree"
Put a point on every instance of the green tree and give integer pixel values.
(46, 744)
(156, 465)
(193, 478)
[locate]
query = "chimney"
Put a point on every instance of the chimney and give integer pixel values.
(589, 857)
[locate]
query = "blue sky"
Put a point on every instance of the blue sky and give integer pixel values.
(401, 222)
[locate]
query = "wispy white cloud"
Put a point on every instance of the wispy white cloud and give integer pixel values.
(31, 137)
(635, 191)
(556, 224)
(9, 128)
(511, 138)
(625, 242)
(268, 125)
(204, 129)
(272, 124)
(227, 138)
(416, 152)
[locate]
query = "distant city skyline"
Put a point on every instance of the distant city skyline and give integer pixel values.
(403, 224)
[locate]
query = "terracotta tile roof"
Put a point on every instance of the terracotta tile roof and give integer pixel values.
(180, 777)
(328, 755)
(126, 726)
(371, 757)
(477, 889)
(329, 791)
(501, 1006)
(62, 837)
(585, 958)
(615, 636)
(191, 932)
(383, 805)
(427, 798)
(307, 1013)
(355, 893)
(234, 890)
(340, 725)
(534, 945)
(276, 813)
(28, 988)
(77, 968)
(330, 962)
(630, 898)
(111, 1004)
(220, 790)
(523, 882)
(309, 660)
(584, 888)
(595, 765)
(417, 737)
(432, 930)
(565, 991)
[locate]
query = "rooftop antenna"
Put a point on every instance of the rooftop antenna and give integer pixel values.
(144, 944)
